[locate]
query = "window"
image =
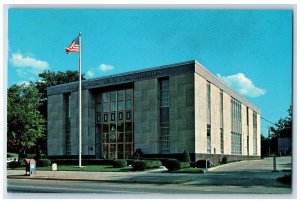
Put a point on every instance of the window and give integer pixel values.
(164, 117)
(236, 127)
(221, 108)
(112, 116)
(208, 139)
(98, 119)
(254, 133)
(222, 140)
(208, 102)
(67, 98)
(128, 115)
(114, 137)
(105, 117)
(120, 116)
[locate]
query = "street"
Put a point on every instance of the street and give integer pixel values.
(246, 177)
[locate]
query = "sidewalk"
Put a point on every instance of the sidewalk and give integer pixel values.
(260, 169)
(154, 176)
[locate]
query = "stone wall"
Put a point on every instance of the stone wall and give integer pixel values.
(146, 116)
(56, 122)
(200, 114)
(181, 113)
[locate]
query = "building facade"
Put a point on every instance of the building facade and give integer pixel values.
(163, 111)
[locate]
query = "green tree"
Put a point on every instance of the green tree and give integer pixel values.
(283, 127)
(25, 124)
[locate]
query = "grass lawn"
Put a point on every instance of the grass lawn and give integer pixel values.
(189, 170)
(89, 168)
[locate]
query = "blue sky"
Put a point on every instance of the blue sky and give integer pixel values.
(251, 50)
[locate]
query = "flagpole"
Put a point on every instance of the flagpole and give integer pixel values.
(79, 54)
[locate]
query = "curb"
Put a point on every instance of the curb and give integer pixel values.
(112, 181)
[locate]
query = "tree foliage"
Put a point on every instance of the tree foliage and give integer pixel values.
(25, 124)
(27, 111)
(283, 127)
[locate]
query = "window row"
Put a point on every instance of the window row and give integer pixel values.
(114, 106)
(112, 117)
(113, 127)
(114, 96)
(116, 151)
(117, 137)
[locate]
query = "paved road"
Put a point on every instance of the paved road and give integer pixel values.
(248, 177)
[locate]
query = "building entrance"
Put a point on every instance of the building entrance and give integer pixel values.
(114, 124)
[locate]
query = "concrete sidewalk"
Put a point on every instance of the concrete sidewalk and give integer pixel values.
(261, 169)
(158, 176)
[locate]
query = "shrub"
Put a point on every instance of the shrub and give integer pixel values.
(13, 164)
(119, 163)
(224, 160)
(22, 162)
(172, 165)
(201, 164)
(138, 165)
(43, 162)
(138, 154)
(186, 157)
(153, 164)
(141, 165)
(185, 164)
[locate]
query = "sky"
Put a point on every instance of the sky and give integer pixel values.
(250, 50)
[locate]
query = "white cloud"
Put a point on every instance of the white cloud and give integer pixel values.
(26, 83)
(90, 74)
(105, 67)
(26, 64)
(242, 84)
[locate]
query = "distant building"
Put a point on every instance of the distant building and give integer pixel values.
(163, 111)
(284, 145)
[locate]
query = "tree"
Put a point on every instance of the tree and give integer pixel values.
(283, 127)
(25, 123)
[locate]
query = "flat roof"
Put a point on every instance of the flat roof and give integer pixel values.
(192, 66)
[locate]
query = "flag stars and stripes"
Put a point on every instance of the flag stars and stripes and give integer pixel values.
(73, 47)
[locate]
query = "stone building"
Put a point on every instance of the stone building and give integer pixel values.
(163, 111)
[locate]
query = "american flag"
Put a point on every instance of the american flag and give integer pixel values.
(73, 47)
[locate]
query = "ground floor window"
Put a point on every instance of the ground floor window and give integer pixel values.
(236, 143)
(208, 139)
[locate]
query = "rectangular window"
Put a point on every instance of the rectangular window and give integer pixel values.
(164, 117)
(128, 115)
(112, 116)
(236, 127)
(208, 102)
(221, 109)
(208, 139)
(222, 140)
(254, 133)
(120, 117)
(68, 123)
(105, 117)
(98, 119)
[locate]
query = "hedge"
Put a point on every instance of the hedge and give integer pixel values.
(185, 164)
(84, 161)
(119, 163)
(224, 160)
(172, 165)
(141, 165)
(13, 164)
(43, 162)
